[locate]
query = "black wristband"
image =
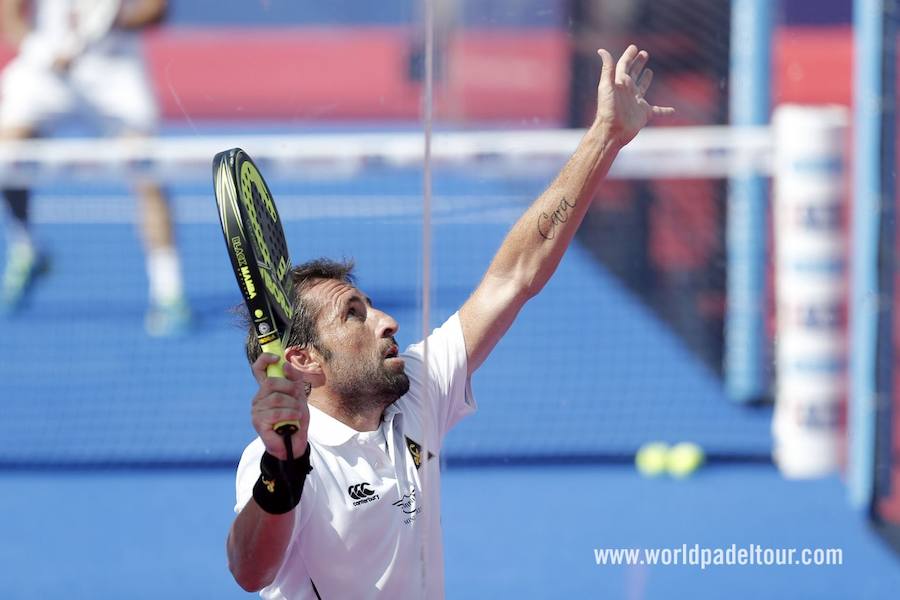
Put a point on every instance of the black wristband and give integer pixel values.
(280, 482)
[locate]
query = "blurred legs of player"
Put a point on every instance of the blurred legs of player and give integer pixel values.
(34, 97)
(25, 262)
(169, 313)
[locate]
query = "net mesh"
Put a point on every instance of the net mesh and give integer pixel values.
(621, 347)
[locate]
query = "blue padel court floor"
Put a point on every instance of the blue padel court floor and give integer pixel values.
(589, 362)
(524, 532)
(117, 449)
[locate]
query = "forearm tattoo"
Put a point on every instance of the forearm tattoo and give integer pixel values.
(547, 223)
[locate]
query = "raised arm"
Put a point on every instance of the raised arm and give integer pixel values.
(136, 15)
(533, 248)
(14, 21)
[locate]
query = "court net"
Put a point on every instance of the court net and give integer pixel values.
(622, 347)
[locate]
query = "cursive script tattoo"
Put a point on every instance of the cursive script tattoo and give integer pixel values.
(547, 222)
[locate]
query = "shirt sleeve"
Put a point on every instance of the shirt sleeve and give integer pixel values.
(247, 473)
(450, 395)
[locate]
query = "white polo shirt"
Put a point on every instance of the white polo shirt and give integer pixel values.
(33, 94)
(368, 525)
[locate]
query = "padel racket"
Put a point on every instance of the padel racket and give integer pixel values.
(259, 256)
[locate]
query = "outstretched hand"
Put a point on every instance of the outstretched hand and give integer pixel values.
(621, 106)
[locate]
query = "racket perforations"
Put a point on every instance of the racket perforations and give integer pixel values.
(268, 242)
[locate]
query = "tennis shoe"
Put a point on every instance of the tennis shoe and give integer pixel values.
(24, 265)
(169, 319)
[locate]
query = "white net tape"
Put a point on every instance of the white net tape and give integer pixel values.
(657, 153)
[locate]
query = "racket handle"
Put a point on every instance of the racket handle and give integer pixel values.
(275, 347)
(284, 428)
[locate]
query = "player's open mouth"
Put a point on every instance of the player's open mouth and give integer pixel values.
(392, 352)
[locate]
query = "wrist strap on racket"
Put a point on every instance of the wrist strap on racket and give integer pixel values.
(280, 482)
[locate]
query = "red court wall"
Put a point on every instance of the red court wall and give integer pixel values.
(320, 73)
(334, 74)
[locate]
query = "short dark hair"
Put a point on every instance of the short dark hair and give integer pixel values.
(304, 332)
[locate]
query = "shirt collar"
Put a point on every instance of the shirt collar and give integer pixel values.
(390, 412)
(325, 429)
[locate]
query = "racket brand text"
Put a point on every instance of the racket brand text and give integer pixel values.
(242, 267)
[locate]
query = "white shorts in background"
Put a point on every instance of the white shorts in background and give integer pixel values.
(111, 91)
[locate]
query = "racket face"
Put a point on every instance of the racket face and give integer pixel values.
(256, 243)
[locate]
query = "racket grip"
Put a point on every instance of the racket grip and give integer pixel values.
(284, 428)
(275, 347)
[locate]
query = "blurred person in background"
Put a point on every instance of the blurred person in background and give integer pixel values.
(82, 58)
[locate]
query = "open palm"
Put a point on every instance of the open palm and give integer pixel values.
(621, 106)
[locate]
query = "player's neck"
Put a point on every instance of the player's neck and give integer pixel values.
(359, 416)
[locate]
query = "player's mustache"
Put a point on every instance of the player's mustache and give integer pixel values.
(388, 345)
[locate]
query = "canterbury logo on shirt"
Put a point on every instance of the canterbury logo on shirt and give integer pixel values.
(362, 493)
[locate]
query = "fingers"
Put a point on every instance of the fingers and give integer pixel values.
(276, 394)
(630, 69)
(259, 366)
(274, 443)
(638, 64)
(631, 65)
(278, 385)
(276, 408)
(623, 67)
(608, 73)
(265, 419)
(279, 400)
(662, 111)
(643, 83)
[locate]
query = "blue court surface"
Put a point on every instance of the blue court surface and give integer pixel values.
(526, 532)
(118, 449)
(586, 359)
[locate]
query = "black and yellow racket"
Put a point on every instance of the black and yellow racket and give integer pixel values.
(259, 256)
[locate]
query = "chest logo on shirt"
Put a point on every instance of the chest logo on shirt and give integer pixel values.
(409, 506)
(362, 493)
(415, 450)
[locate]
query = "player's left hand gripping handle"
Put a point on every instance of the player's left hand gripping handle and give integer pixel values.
(284, 428)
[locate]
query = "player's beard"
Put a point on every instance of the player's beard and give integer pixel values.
(367, 382)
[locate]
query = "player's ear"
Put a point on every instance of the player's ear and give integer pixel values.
(304, 360)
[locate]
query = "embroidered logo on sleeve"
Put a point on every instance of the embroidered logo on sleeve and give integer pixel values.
(415, 450)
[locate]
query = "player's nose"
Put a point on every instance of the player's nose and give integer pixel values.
(387, 326)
